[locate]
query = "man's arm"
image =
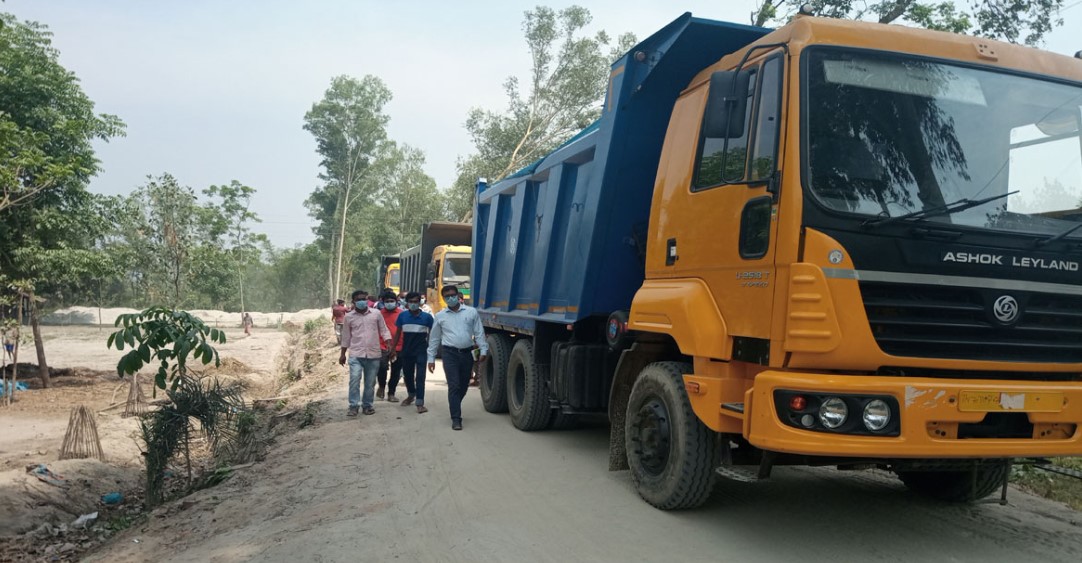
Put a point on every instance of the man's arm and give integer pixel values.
(434, 340)
(397, 333)
(479, 336)
(347, 336)
(384, 332)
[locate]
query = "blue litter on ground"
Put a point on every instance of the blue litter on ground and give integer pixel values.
(112, 498)
(19, 386)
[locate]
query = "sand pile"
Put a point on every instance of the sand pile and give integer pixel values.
(220, 319)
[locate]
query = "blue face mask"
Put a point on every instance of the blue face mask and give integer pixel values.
(361, 305)
(414, 306)
(390, 305)
(452, 300)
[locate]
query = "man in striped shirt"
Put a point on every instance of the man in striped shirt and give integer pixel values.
(413, 327)
(362, 333)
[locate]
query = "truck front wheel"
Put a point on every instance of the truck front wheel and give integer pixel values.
(527, 388)
(671, 454)
(494, 373)
(956, 486)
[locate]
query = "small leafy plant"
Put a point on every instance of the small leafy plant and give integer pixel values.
(167, 336)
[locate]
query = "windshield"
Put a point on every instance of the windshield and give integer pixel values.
(456, 269)
(892, 135)
(395, 275)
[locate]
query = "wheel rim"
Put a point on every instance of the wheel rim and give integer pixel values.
(653, 435)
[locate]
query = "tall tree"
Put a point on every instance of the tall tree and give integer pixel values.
(47, 129)
(1016, 21)
(562, 95)
(350, 130)
(47, 123)
(230, 206)
(409, 199)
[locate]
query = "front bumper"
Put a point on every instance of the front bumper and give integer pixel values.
(930, 417)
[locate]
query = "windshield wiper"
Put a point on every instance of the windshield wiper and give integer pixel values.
(952, 207)
(1060, 236)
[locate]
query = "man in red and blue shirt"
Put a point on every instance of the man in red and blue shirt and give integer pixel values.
(390, 362)
(412, 343)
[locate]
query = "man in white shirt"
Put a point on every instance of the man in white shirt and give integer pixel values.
(458, 329)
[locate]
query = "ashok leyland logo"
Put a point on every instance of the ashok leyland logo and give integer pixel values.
(1005, 309)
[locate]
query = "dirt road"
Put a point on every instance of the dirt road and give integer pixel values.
(397, 485)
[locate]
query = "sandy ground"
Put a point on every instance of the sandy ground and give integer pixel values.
(32, 430)
(397, 485)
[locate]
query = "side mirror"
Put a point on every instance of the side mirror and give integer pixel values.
(726, 104)
(430, 284)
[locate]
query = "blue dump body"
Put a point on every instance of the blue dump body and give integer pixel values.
(565, 238)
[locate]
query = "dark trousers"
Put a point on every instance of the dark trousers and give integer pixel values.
(396, 373)
(457, 366)
(413, 375)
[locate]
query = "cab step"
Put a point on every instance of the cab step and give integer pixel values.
(741, 474)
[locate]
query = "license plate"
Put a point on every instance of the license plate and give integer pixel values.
(987, 401)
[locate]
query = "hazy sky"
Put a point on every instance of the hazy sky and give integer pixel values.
(213, 91)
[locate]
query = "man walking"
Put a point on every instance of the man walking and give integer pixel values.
(338, 315)
(362, 332)
(458, 329)
(390, 360)
(412, 341)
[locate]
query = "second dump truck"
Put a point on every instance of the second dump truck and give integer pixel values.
(834, 243)
(442, 258)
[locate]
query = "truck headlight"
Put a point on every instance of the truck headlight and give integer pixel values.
(833, 413)
(876, 415)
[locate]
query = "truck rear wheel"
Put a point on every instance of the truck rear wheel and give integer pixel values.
(956, 486)
(527, 389)
(494, 373)
(671, 454)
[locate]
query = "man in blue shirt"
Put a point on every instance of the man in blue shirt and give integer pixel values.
(413, 327)
(458, 329)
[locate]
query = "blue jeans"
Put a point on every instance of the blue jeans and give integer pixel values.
(458, 367)
(370, 368)
(413, 373)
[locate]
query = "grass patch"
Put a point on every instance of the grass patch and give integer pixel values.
(1061, 488)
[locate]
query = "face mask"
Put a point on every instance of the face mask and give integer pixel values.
(361, 305)
(452, 300)
(390, 305)
(414, 306)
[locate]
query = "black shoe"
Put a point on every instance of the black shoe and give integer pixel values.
(456, 425)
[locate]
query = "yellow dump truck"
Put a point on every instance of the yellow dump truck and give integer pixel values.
(442, 258)
(833, 243)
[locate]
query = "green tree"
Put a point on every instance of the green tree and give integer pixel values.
(47, 123)
(230, 218)
(349, 126)
(1026, 21)
(562, 95)
(47, 129)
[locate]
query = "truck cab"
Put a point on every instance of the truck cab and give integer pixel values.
(450, 266)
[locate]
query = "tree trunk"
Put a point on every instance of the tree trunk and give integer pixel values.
(341, 245)
(15, 354)
(39, 344)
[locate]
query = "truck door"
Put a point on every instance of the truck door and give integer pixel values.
(731, 203)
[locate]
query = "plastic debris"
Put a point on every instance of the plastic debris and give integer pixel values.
(84, 520)
(45, 475)
(112, 498)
